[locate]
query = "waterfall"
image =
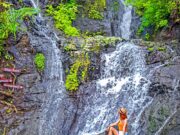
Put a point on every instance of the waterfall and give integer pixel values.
(123, 83)
(126, 21)
(45, 40)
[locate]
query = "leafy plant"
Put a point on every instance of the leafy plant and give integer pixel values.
(147, 36)
(162, 49)
(8, 56)
(78, 72)
(151, 49)
(94, 13)
(40, 61)
(155, 13)
(11, 19)
(115, 6)
(63, 15)
(2, 50)
(95, 9)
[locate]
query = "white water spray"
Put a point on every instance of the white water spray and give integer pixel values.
(126, 21)
(53, 79)
(123, 83)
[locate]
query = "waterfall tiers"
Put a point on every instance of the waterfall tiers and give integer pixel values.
(140, 75)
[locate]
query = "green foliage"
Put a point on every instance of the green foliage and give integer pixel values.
(70, 47)
(2, 50)
(63, 15)
(152, 126)
(94, 13)
(94, 9)
(94, 44)
(147, 36)
(161, 49)
(4, 53)
(11, 19)
(7, 56)
(87, 33)
(151, 49)
(79, 68)
(72, 82)
(154, 13)
(40, 61)
(115, 6)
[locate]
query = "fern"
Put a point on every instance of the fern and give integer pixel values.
(63, 16)
(10, 19)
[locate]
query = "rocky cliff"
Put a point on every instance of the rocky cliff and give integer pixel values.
(151, 67)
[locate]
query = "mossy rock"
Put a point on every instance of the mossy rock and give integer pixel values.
(152, 124)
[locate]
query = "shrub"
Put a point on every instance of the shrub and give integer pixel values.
(95, 9)
(78, 72)
(155, 13)
(63, 15)
(94, 13)
(11, 19)
(39, 61)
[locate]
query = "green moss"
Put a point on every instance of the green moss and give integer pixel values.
(70, 47)
(39, 61)
(94, 13)
(4, 54)
(94, 44)
(151, 49)
(64, 15)
(152, 125)
(78, 72)
(115, 6)
(147, 36)
(164, 112)
(93, 9)
(93, 34)
(72, 82)
(7, 56)
(163, 49)
(2, 50)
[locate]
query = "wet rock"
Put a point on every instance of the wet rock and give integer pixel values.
(173, 125)
(164, 105)
(110, 24)
(162, 114)
(157, 56)
(167, 74)
(28, 99)
(169, 34)
(90, 25)
(28, 80)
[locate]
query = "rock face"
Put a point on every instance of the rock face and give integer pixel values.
(58, 112)
(28, 100)
(161, 117)
(110, 24)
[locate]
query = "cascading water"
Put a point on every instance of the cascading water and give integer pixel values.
(52, 78)
(122, 83)
(126, 21)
